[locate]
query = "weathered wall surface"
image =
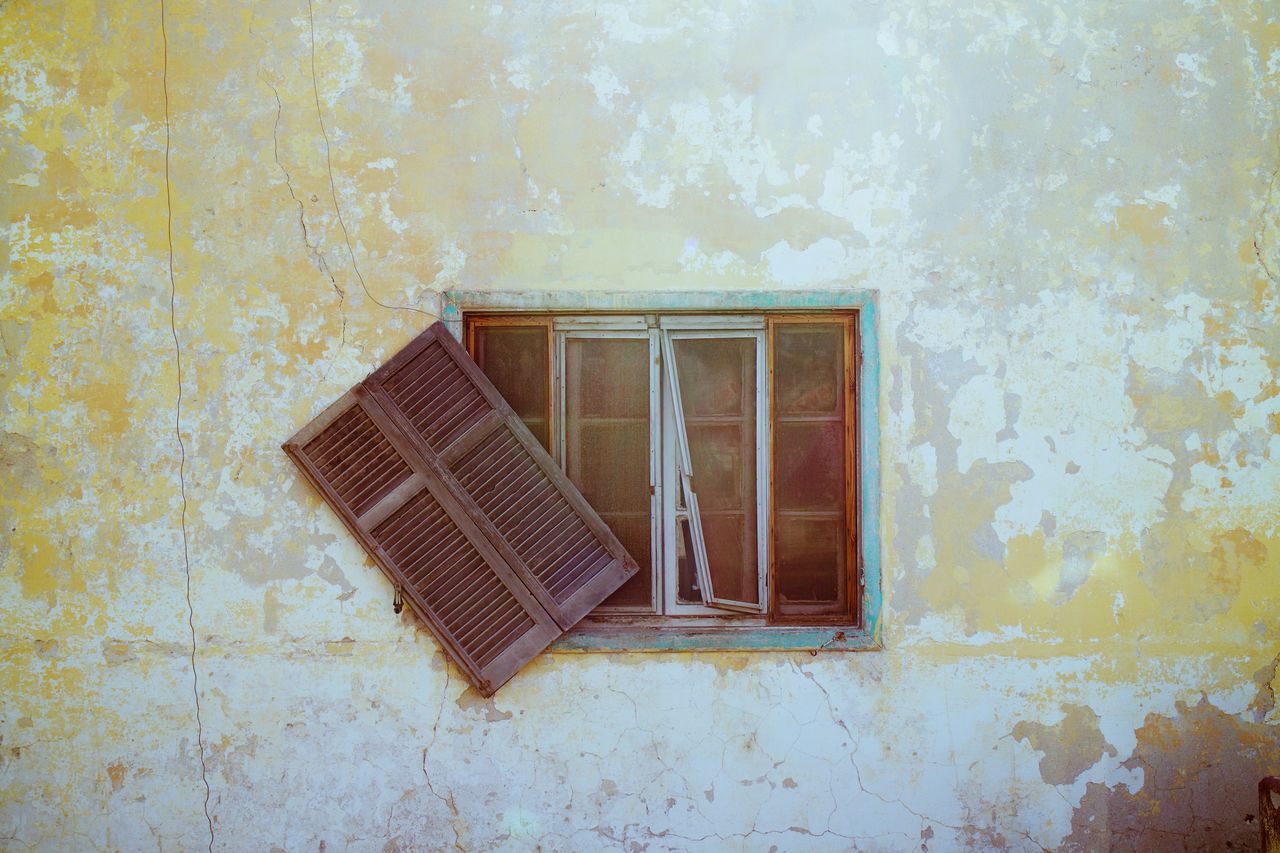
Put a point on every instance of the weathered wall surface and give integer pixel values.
(1069, 211)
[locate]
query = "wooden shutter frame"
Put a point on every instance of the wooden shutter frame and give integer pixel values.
(430, 472)
(487, 679)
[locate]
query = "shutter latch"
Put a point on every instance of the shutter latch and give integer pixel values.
(837, 637)
(397, 603)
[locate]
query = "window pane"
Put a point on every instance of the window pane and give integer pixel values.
(516, 360)
(606, 445)
(723, 465)
(731, 546)
(811, 358)
(717, 376)
(718, 399)
(810, 559)
(809, 486)
(810, 464)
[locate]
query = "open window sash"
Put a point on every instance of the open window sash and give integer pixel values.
(686, 479)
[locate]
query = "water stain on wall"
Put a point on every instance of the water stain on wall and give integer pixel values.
(1070, 746)
(1200, 769)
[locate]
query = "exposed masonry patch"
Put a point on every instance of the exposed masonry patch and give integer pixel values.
(1268, 681)
(313, 248)
(1070, 746)
(1200, 770)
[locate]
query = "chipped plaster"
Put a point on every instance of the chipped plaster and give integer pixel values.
(1068, 214)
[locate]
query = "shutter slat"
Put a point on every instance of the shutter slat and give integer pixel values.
(574, 568)
(415, 389)
(379, 471)
(513, 485)
(346, 437)
(430, 528)
(523, 517)
(481, 478)
(341, 450)
(476, 615)
(459, 505)
(599, 559)
(488, 646)
(414, 379)
(569, 544)
(417, 551)
(412, 376)
(343, 429)
(359, 481)
(538, 514)
(331, 446)
(467, 602)
(455, 425)
(451, 394)
(355, 470)
(538, 523)
(456, 584)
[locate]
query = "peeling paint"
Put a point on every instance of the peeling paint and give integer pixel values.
(1067, 218)
(1070, 746)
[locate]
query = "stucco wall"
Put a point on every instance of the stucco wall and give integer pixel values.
(1069, 214)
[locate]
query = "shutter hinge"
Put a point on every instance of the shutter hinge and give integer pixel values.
(397, 603)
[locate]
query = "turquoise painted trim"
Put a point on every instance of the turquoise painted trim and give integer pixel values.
(456, 302)
(633, 639)
(869, 465)
(762, 639)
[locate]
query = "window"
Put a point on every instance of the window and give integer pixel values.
(722, 449)
(673, 479)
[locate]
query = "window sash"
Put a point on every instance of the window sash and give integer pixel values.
(571, 330)
(685, 475)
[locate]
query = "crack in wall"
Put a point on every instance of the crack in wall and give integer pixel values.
(333, 188)
(435, 730)
(313, 249)
(1260, 236)
(967, 829)
(177, 422)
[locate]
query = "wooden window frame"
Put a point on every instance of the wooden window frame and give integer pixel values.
(465, 310)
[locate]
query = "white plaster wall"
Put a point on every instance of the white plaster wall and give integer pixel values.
(1068, 212)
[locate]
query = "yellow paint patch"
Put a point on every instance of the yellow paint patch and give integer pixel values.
(1144, 221)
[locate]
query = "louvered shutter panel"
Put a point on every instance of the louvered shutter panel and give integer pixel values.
(491, 545)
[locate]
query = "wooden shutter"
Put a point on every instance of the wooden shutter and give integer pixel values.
(460, 506)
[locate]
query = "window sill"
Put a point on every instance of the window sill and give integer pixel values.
(647, 638)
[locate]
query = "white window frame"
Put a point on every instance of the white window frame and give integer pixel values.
(668, 445)
(680, 473)
(571, 329)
